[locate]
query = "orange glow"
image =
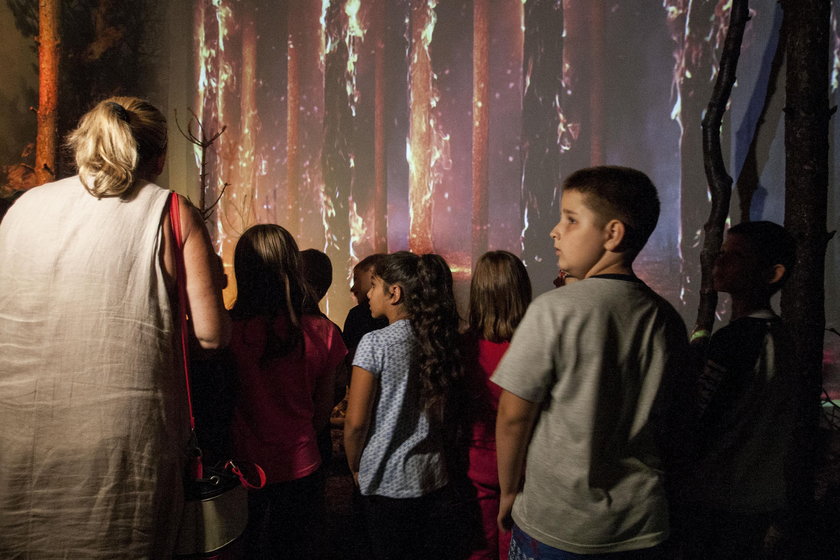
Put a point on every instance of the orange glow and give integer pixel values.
(427, 149)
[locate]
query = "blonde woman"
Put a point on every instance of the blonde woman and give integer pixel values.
(91, 396)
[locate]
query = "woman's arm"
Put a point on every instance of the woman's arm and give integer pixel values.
(363, 387)
(514, 424)
(209, 318)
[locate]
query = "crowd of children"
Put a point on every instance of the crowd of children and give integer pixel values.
(571, 427)
(574, 426)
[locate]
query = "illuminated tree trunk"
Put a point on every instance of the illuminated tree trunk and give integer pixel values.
(543, 90)
(380, 194)
(48, 66)
(692, 75)
(295, 42)
(338, 134)
(807, 118)
(203, 101)
(720, 182)
(249, 122)
(421, 134)
(480, 135)
(596, 83)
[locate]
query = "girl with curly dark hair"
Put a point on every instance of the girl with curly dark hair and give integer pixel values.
(405, 383)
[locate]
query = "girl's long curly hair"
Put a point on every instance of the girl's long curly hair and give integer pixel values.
(270, 284)
(426, 284)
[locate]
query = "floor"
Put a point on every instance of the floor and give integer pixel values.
(821, 540)
(344, 532)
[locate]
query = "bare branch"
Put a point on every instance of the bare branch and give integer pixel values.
(719, 181)
(203, 142)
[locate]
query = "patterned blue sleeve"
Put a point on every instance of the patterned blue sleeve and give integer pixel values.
(368, 355)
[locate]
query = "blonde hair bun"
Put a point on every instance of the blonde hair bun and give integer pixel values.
(115, 142)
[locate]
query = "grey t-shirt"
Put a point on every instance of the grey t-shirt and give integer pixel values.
(594, 354)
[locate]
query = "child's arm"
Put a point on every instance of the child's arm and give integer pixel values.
(323, 398)
(362, 395)
(514, 424)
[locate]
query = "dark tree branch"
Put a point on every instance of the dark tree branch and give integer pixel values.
(203, 141)
(720, 183)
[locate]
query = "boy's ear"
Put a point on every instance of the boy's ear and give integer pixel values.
(615, 231)
(777, 272)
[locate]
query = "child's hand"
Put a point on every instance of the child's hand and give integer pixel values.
(505, 521)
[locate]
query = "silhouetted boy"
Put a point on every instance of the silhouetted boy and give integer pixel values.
(746, 403)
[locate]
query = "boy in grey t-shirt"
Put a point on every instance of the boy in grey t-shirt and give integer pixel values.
(584, 385)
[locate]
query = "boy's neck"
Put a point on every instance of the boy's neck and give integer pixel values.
(743, 306)
(611, 268)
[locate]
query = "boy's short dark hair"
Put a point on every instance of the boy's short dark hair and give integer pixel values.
(317, 270)
(771, 243)
(369, 261)
(620, 193)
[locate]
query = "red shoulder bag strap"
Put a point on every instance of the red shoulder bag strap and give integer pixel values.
(196, 468)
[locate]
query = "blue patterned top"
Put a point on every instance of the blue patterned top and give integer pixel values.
(402, 457)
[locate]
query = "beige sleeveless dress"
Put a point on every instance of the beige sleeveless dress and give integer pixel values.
(92, 407)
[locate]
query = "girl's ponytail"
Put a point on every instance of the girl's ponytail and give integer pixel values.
(115, 142)
(435, 322)
(426, 283)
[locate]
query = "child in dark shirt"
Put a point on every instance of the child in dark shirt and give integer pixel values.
(746, 403)
(359, 321)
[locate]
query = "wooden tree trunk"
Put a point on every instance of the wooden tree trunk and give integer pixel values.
(696, 55)
(421, 131)
(337, 148)
(543, 90)
(720, 182)
(249, 123)
(597, 48)
(293, 169)
(380, 181)
(480, 128)
(380, 196)
(48, 63)
(807, 117)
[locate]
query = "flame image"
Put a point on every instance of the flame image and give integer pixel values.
(835, 51)
(215, 24)
(690, 53)
(315, 95)
(427, 148)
